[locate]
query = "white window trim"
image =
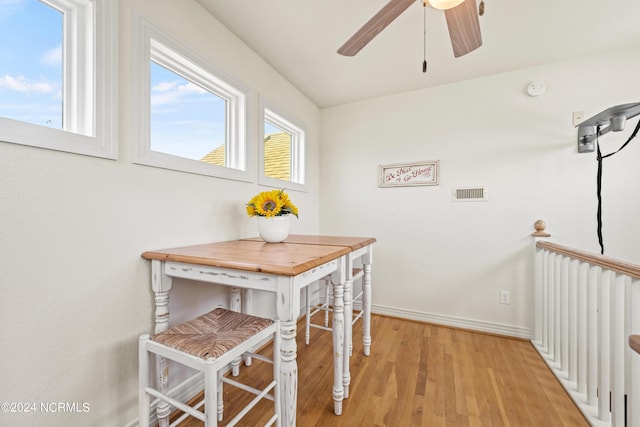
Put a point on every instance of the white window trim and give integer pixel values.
(298, 148)
(90, 85)
(151, 42)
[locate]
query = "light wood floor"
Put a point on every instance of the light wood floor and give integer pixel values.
(420, 375)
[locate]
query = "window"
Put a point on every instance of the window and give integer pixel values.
(282, 156)
(52, 96)
(190, 117)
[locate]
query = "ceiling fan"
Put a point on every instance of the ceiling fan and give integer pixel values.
(462, 21)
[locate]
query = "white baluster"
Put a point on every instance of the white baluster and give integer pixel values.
(633, 391)
(538, 283)
(618, 346)
(551, 304)
(540, 256)
(545, 300)
(557, 310)
(564, 315)
(594, 279)
(604, 356)
(582, 319)
(573, 320)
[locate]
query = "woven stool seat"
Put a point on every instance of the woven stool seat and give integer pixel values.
(208, 344)
(213, 334)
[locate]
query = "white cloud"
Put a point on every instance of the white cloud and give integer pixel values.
(20, 84)
(164, 98)
(168, 92)
(192, 88)
(52, 56)
(7, 7)
(164, 86)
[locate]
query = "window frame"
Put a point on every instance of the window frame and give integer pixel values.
(151, 43)
(89, 109)
(298, 162)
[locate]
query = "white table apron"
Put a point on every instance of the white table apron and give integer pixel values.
(287, 289)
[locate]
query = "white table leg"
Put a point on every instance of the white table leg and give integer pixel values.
(247, 303)
(338, 347)
(288, 308)
(348, 324)
(366, 307)
(288, 372)
(161, 285)
(235, 304)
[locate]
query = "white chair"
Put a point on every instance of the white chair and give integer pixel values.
(209, 344)
(325, 286)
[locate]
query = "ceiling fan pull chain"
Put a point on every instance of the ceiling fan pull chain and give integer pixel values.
(424, 63)
(481, 8)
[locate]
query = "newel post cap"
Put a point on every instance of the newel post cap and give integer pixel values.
(540, 226)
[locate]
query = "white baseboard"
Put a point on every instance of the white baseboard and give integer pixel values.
(457, 322)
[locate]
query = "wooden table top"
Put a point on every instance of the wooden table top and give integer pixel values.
(351, 242)
(288, 259)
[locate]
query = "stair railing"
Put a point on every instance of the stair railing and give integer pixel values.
(587, 326)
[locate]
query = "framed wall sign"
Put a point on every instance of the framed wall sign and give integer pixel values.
(409, 174)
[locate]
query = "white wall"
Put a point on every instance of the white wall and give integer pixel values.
(446, 262)
(75, 292)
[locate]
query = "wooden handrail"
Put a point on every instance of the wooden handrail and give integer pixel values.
(630, 269)
(634, 343)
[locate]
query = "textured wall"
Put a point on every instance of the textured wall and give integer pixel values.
(75, 292)
(444, 261)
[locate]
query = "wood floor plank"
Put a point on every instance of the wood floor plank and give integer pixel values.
(420, 374)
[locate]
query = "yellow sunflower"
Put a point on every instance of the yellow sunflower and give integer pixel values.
(271, 203)
(268, 203)
(287, 205)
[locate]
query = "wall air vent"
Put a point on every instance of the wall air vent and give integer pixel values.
(469, 194)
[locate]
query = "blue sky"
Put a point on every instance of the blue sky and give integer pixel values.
(31, 62)
(186, 120)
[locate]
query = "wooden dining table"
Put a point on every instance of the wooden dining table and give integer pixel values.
(282, 268)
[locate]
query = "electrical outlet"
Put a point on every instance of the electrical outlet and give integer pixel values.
(505, 297)
(578, 117)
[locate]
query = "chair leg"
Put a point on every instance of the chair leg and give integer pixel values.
(327, 285)
(210, 394)
(277, 400)
(220, 397)
(307, 328)
(143, 382)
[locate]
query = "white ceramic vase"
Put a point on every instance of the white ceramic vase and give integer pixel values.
(274, 229)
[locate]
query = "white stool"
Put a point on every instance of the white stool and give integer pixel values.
(209, 344)
(326, 286)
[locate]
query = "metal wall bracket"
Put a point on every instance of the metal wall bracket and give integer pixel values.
(611, 119)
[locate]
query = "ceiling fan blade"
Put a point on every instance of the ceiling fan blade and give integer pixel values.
(464, 28)
(372, 28)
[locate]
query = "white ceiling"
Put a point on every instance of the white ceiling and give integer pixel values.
(299, 39)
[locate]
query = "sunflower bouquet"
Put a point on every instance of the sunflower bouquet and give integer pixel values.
(271, 203)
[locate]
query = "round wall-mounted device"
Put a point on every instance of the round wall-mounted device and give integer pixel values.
(536, 89)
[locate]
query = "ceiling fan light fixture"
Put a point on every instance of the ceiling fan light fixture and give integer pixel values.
(443, 4)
